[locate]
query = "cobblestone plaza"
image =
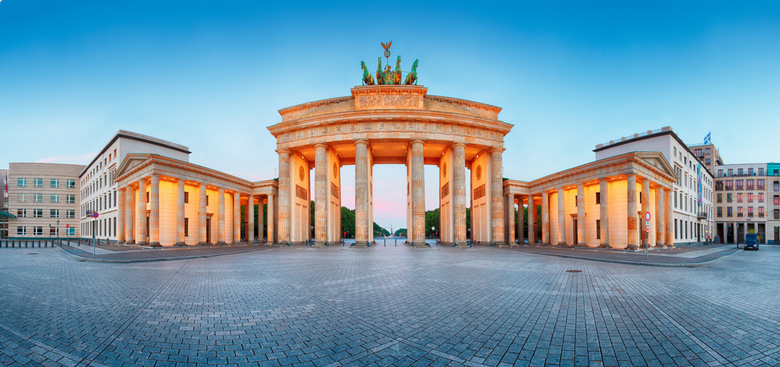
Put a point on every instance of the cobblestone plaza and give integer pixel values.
(386, 306)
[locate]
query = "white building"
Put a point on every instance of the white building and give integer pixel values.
(693, 193)
(98, 189)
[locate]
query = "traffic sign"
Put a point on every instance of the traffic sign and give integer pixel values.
(647, 216)
(67, 226)
(95, 214)
(648, 229)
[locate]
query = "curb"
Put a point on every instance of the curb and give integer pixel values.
(129, 261)
(626, 262)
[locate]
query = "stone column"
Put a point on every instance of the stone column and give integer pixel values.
(140, 213)
(154, 214)
(645, 208)
(546, 235)
(659, 217)
(520, 220)
(284, 197)
(561, 217)
(497, 193)
(250, 209)
(120, 216)
(221, 217)
(532, 219)
(631, 233)
(361, 194)
(604, 212)
(202, 214)
(271, 220)
(236, 217)
(459, 193)
(669, 220)
(510, 219)
(418, 194)
(581, 240)
(129, 230)
(320, 194)
(180, 213)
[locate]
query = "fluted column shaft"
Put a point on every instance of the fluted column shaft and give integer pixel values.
(631, 212)
(510, 219)
(604, 212)
(202, 214)
(120, 216)
(497, 195)
(129, 230)
(669, 220)
(361, 194)
(561, 217)
(271, 220)
(221, 216)
(320, 194)
(520, 221)
(140, 213)
(459, 192)
(250, 209)
(418, 193)
(645, 235)
(546, 235)
(154, 214)
(659, 216)
(532, 219)
(581, 240)
(236, 217)
(283, 215)
(180, 213)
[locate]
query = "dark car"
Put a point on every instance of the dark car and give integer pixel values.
(751, 242)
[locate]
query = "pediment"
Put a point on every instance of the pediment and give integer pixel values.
(131, 161)
(657, 160)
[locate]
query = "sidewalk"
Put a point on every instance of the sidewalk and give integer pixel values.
(684, 256)
(130, 254)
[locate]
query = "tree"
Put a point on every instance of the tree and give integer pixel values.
(401, 232)
(431, 221)
(348, 222)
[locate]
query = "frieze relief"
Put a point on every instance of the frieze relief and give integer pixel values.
(389, 101)
(370, 127)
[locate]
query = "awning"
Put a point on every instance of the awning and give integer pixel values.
(6, 214)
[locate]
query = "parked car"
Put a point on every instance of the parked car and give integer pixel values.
(751, 242)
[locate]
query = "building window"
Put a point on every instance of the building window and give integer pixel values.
(186, 197)
(720, 198)
(55, 182)
(777, 213)
(37, 213)
(739, 185)
(598, 198)
(750, 212)
(707, 161)
(760, 197)
(38, 198)
(21, 182)
(760, 211)
(720, 173)
(739, 211)
(70, 213)
(22, 198)
(776, 185)
(750, 172)
(21, 213)
(207, 200)
(38, 231)
(598, 229)
(749, 185)
(71, 184)
(21, 231)
(707, 151)
(147, 197)
(760, 171)
(71, 198)
(54, 198)
(675, 229)
(761, 184)
(750, 198)
(777, 200)
(739, 197)
(71, 231)
(720, 212)
(54, 213)
(729, 212)
(731, 172)
(186, 227)
(729, 185)
(37, 182)
(739, 171)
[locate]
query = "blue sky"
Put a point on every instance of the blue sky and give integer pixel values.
(212, 75)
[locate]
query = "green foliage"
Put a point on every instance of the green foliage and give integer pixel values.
(431, 221)
(401, 232)
(347, 222)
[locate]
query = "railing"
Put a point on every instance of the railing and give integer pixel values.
(638, 135)
(701, 215)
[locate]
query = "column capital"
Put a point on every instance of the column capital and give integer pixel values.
(458, 144)
(321, 145)
(417, 141)
(360, 141)
(497, 149)
(283, 151)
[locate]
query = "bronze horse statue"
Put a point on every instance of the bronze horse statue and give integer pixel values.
(411, 78)
(367, 78)
(380, 75)
(397, 72)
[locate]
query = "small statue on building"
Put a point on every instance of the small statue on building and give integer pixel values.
(367, 78)
(411, 78)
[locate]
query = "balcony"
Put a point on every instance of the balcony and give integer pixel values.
(701, 215)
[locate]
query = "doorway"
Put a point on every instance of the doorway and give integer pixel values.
(208, 229)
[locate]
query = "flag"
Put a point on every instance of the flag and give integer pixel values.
(708, 138)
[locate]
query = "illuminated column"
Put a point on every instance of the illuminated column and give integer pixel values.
(140, 213)
(221, 217)
(459, 193)
(532, 219)
(320, 194)
(129, 230)
(284, 197)
(361, 194)
(645, 208)
(631, 212)
(271, 219)
(561, 217)
(546, 235)
(154, 214)
(669, 220)
(659, 216)
(520, 220)
(581, 240)
(250, 209)
(510, 219)
(497, 189)
(180, 213)
(236, 217)
(120, 216)
(418, 193)
(202, 214)
(604, 212)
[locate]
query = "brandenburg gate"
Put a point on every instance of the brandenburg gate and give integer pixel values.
(390, 124)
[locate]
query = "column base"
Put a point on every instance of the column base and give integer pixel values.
(180, 244)
(203, 244)
(281, 244)
(460, 244)
(131, 242)
(120, 242)
(221, 243)
(419, 244)
(605, 245)
(581, 244)
(155, 244)
(562, 244)
(670, 246)
(319, 244)
(141, 243)
(361, 244)
(632, 247)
